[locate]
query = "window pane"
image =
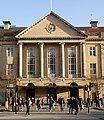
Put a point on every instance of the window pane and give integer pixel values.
(51, 60)
(31, 61)
(72, 60)
(93, 68)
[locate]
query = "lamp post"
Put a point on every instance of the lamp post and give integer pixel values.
(88, 89)
(16, 90)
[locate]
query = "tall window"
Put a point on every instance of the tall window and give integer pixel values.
(9, 69)
(92, 51)
(72, 60)
(10, 51)
(93, 68)
(31, 62)
(51, 60)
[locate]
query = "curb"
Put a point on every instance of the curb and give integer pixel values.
(97, 108)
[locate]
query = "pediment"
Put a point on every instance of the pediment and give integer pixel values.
(50, 25)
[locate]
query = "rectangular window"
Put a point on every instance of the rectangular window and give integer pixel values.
(51, 60)
(10, 51)
(93, 68)
(72, 60)
(31, 62)
(92, 51)
(9, 69)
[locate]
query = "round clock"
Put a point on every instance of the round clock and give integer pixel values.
(51, 28)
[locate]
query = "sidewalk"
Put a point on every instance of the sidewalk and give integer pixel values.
(44, 109)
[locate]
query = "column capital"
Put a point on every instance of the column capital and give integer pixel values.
(40, 43)
(20, 43)
(81, 43)
(62, 43)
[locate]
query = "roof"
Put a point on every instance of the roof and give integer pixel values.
(10, 33)
(92, 31)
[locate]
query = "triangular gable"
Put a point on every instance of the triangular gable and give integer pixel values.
(41, 28)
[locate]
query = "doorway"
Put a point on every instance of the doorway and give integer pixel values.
(30, 90)
(74, 92)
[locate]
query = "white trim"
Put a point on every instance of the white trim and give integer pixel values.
(49, 41)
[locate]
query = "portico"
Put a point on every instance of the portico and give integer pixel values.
(46, 49)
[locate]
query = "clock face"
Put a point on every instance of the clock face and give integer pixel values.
(51, 28)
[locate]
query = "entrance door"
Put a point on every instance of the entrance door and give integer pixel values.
(30, 91)
(52, 91)
(74, 92)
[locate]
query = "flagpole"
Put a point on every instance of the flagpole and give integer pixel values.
(51, 5)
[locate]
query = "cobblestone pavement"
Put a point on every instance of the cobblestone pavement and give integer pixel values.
(55, 115)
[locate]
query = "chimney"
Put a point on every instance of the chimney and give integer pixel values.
(93, 23)
(7, 24)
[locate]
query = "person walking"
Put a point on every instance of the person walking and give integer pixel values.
(69, 102)
(51, 101)
(61, 103)
(76, 102)
(38, 104)
(28, 104)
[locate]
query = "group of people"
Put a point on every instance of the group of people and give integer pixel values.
(72, 103)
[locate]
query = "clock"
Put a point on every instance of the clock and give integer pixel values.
(50, 28)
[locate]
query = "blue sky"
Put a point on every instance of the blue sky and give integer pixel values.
(76, 12)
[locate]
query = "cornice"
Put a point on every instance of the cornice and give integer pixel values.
(48, 38)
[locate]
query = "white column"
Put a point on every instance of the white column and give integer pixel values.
(20, 60)
(84, 59)
(81, 62)
(63, 59)
(42, 60)
(77, 60)
(102, 59)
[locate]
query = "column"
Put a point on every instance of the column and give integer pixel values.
(84, 59)
(42, 60)
(20, 60)
(63, 59)
(81, 60)
(102, 60)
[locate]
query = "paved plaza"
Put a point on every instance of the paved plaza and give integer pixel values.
(55, 115)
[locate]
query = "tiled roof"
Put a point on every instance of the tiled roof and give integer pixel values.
(92, 31)
(10, 33)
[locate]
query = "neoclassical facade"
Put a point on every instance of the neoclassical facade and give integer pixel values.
(53, 58)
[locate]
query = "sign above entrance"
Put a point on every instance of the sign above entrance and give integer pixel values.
(50, 28)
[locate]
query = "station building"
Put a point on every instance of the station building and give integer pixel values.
(52, 58)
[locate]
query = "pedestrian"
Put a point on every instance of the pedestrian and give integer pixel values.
(81, 104)
(76, 103)
(20, 106)
(7, 104)
(61, 103)
(38, 104)
(51, 101)
(42, 103)
(12, 103)
(70, 105)
(28, 104)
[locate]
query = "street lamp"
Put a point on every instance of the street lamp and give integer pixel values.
(16, 90)
(88, 89)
